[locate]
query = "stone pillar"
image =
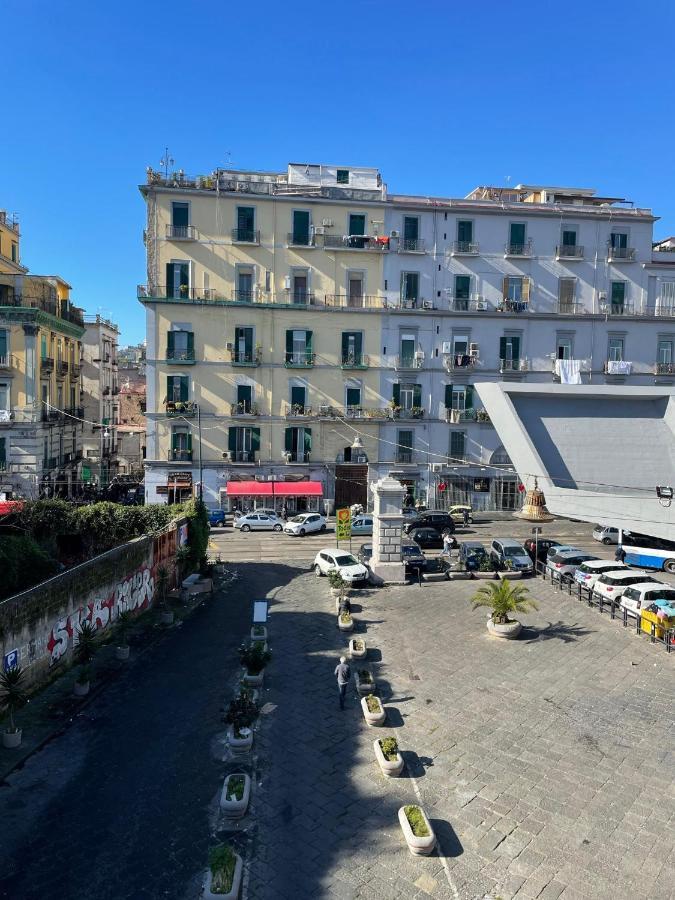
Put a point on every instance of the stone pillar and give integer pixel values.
(387, 530)
(30, 338)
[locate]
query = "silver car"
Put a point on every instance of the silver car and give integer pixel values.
(258, 522)
(510, 554)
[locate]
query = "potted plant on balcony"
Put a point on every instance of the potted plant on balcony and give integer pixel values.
(184, 288)
(417, 830)
(254, 658)
(84, 654)
(223, 878)
(388, 757)
(395, 409)
(372, 709)
(504, 598)
(123, 625)
(482, 416)
(12, 697)
(416, 412)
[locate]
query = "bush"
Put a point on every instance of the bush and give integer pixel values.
(389, 748)
(235, 787)
(242, 712)
(254, 658)
(23, 563)
(416, 820)
(222, 862)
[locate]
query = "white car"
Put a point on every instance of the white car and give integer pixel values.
(561, 564)
(333, 560)
(606, 535)
(589, 572)
(636, 597)
(304, 524)
(258, 521)
(611, 585)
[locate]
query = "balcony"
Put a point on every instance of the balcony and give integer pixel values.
(519, 249)
(407, 412)
(415, 361)
(75, 412)
(411, 245)
(298, 411)
(245, 236)
(299, 359)
(51, 415)
(362, 301)
(354, 361)
(459, 362)
(299, 298)
(177, 455)
(165, 292)
(664, 308)
(507, 366)
(617, 309)
(664, 368)
(617, 367)
(474, 303)
(175, 409)
(244, 408)
(243, 296)
(456, 416)
(295, 456)
(246, 357)
(584, 365)
(4, 465)
(300, 240)
(361, 242)
(569, 308)
(569, 251)
(620, 254)
(75, 370)
(513, 306)
(240, 456)
(116, 390)
(181, 233)
(5, 361)
(106, 391)
(61, 368)
(465, 248)
(404, 457)
(180, 357)
(46, 364)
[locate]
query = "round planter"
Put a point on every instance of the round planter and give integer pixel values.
(390, 768)
(11, 739)
(364, 687)
(233, 893)
(373, 718)
(253, 680)
(235, 809)
(349, 626)
(240, 744)
(357, 654)
(166, 617)
(122, 653)
(510, 576)
(508, 630)
(257, 638)
(81, 689)
(418, 846)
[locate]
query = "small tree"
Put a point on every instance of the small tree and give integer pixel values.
(85, 651)
(503, 597)
(162, 585)
(12, 693)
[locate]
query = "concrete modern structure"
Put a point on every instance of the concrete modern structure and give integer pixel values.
(100, 399)
(300, 309)
(40, 350)
(598, 451)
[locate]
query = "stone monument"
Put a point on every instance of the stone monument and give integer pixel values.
(386, 563)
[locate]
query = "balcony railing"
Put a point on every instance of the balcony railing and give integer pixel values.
(301, 239)
(617, 367)
(181, 408)
(407, 412)
(409, 362)
(664, 368)
(245, 236)
(177, 455)
(362, 301)
(5, 361)
(296, 456)
(513, 365)
(241, 456)
(246, 357)
(184, 292)
(298, 410)
(623, 254)
(476, 302)
(61, 368)
(301, 298)
(355, 412)
(181, 232)
(569, 308)
(354, 361)
(617, 309)
(513, 306)
(180, 357)
(455, 416)
(244, 408)
(665, 309)
(569, 251)
(51, 415)
(404, 457)
(106, 391)
(465, 248)
(47, 364)
(518, 249)
(299, 359)
(356, 242)
(411, 245)
(75, 370)
(459, 361)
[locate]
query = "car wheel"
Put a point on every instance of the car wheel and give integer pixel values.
(245, 527)
(669, 566)
(277, 527)
(606, 540)
(317, 571)
(302, 532)
(323, 527)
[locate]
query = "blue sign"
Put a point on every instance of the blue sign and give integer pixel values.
(11, 660)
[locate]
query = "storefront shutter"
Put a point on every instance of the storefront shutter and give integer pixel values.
(448, 396)
(396, 394)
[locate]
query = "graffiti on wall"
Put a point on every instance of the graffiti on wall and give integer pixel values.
(132, 593)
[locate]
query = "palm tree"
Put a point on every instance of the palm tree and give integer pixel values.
(503, 597)
(162, 584)
(12, 693)
(85, 651)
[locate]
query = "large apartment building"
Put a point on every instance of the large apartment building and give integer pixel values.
(100, 399)
(319, 332)
(40, 354)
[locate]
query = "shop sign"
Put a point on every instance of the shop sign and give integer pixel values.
(343, 525)
(481, 485)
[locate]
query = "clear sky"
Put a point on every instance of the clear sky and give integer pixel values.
(440, 96)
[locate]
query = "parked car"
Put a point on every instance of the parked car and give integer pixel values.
(606, 535)
(509, 553)
(611, 585)
(562, 548)
(429, 538)
(365, 554)
(541, 547)
(362, 525)
(413, 559)
(305, 523)
(638, 596)
(265, 511)
(471, 553)
(258, 522)
(441, 521)
(348, 566)
(589, 572)
(457, 513)
(566, 563)
(216, 517)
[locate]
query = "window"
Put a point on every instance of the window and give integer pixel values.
(408, 345)
(244, 398)
(404, 446)
(299, 347)
(618, 240)
(3, 453)
(300, 282)
(460, 344)
(462, 291)
(569, 238)
(410, 288)
(181, 445)
(301, 231)
(459, 396)
(246, 222)
(15, 252)
(244, 291)
(517, 241)
(4, 395)
(563, 347)
(342, 176)
(516, 292)
(298, 443)
(43, 346)
(352, 347)
(180, 215)
(243, 345)
(411, 233)
(72, 399)
(4, 345)
(509, 352)
(298, 399)
(353, 397)
(407, 396)
(615, 349)
(457, 446)
(664, 352)
(180, 345)
(177, 279)
(243, 443)
(566, 292)
(177, 388)
(464, 234)
(617, 297)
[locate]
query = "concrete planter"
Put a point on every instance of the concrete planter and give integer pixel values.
(240, 744)
(373, 718)
(507, 630)
(418, 846)
(257, 638)
(235, 809)
(336, 592)
(81, 689)
(510, 576)
(484, 576)
(362, 686)
(233, 893)
(166, 617)
(253, 680)
(345, 626)
(122, 653)
(357, 654)
(390, 768)
(11, 739)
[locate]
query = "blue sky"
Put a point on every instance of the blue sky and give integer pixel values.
(439, 97)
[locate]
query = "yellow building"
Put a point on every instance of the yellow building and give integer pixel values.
(40, 351)
(263, 309)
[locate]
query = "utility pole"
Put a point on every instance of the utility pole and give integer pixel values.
(199, 441)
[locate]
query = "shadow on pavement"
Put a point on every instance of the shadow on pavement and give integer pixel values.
(450, 844)
(560, 631)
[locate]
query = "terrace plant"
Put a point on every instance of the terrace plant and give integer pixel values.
(504, 599)
(85, 652)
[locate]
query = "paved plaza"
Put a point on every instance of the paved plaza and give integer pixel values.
(546, 765)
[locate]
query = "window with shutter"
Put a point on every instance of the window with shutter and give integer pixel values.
(417, 396)
(448, 396)
(288, 439)
(180, 215)
(170, 344)
(255, 439)
(468, 397)
(353, 397)
(300, 227)
(457, 445)
(396, 394)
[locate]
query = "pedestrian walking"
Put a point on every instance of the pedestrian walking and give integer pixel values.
(619, 554)
(284, 512)
(465, 517)
(449, 542)
(343, 674)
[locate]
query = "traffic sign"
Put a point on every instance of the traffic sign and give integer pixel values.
(536, 530)
(343, 524)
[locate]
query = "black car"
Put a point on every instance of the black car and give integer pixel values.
(428, 538)
(413, 559)
(440, 521)
(365, 554)
(543, 545)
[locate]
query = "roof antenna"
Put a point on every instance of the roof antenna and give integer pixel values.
(166, 161)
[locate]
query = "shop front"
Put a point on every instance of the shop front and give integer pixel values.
(178, 487)
(295, 496)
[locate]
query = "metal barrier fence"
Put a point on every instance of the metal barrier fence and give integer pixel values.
(656, 633)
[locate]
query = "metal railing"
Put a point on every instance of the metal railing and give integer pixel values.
(363, 301)
(242, 456)
(298, 410)
(246, 357)
(519, 249)
(459, 361)
(513, 365)
(176, 455)
(569, 251)
(356, 242)
(301, 298)
(455, 416)
(75, 370)
(296, 456)
(513, 306)
(627, 254)
(302, 239)
(5, 361)
(569, 308)
(245, 236)
(411, 245)
(662, 368)
(244, 296)
(244, 408)
(467, 248)
(61, 368)
(407, 412)
(617, 309)
(354, 361)
(178, 356)
(47, 364)
(404, 456)
(181, 232)
(665, 310)
(300, 359)
(177, 408)
(408, 362)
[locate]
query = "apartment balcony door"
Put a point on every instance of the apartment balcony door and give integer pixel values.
(177, 279)
(245, 287)
(300, 285)
(355, 290)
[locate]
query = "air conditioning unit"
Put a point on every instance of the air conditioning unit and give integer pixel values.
(326, 223)
(319, 229)
(393, 234)
(227, 455)
(269, 477)
(481, 303)
(437, 467)
(427, 304)
(473, 350)
(229, 345)
(362, 459)
(287, 282)
(446, 347)
(419, 354)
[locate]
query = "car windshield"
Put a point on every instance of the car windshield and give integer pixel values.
(298, 519)
(346, 560)
(514, 551)
(410, 551)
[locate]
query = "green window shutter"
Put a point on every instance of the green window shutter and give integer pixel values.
(357, 224)
(43, 346)
(289, 344)
(255, 439)
(308, 341)
(308, 440)
(345, 343)
(301, 225)
(396, 394)
(169, 279)
(232, 439)
(517, 234)
(502, 348)
(188, 442)
(169, 386)
(448, 396)
(244, 393)
(468, 397)
(417, 395)
(3, 450)
(175, 440)
(190, 344)
(288, 439)
(3, 343)
(170, 343)
(515, 347)
(353, 396)
(180, 214)
(410, 228)
(358, 344)
(183, 388)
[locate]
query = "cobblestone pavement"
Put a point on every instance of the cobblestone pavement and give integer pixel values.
(546, 765)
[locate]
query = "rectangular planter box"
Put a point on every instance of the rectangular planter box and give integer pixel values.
(235, 809)
(364, 687)
(233, 893)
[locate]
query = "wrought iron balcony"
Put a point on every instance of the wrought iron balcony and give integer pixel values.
(75, 370)
(181, 409)
(465, 248)
(300, 239)
(179, 455)
(623, 308)
(5, 361)
(359, 302)
(518, 249)
(244, 408)
(171, 292)
(356, 242)
(406, 412)
(476, 302)
(296, 456)
(298, 411)
(569, 308)
(513, 306)
(413, 361)
(411, 245)
(243, 296)
(240, 456)
(664, 368)
(455, 416)
(569, 251)
(245, 236)
(246, 357)
(181, 232)
(47, 364)
(620, 254)
(299, 298)
(61, 368)
(354, 361)
(404, 457)
(513, 365)
(299, 359)
(459, 361)
(180, 357)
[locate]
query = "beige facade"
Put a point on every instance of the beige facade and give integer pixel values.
(100, 399)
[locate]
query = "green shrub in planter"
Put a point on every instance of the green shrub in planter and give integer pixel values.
(254, 657)
(85, 650)
(335, 580)
(12, 693)
(503, 597)
(389, 748)
(235, 787)
(373, 703)
(242, 712)
(416, 820)
(222, 862)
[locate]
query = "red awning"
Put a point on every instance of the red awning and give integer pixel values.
(274, 489)
(9, 506)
